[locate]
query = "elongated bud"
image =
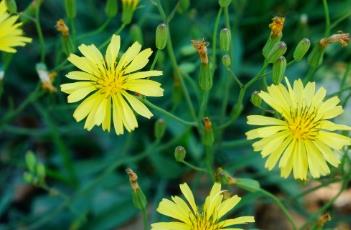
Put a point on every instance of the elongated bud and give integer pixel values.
(136, 33)
(31, 161)
(70, 8)
(41, 173)
(226, 60)
(28, 178)
(111, 8)
(224, 3)
(271, 42)
(255, 99)
(208, 137)
(301, 49)
(139, 199)
(278, 70)
(201, 48)
(160, 128)
(62, 28)
(44, 77)
(315, 58)
(11, 6)
(278, 50)
(128, 8)
(177, 93)
(205, 78)
(161, 36)
(323, 220)
(224, 177)
(179, 153)
(225, 39)
(183, 6)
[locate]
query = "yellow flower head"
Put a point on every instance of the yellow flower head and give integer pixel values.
(189, 217)
(108, 86)
(302, 136)
(277, 26)
(10, 31)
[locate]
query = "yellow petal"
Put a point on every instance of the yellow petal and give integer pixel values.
(137, 105)
(188, 196)
(144, 74)
(112, 51)
(139, 61)
(144, 87)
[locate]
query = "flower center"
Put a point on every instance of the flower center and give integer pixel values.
(200, 222)
(303, 122)
(110, 83)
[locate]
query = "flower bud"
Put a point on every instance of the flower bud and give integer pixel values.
(28, 178)
(277, 26)
(11, 6)
(111, 8)
(177, 93)
(255, 99)
(224, 3)
(160, 128)
(41, 172)
(183, 6)
(161, 36)
(208, 137)
(278, 70)
(205, 78)
(128, 8)
(278, 50)
(62, 28)
(136, 33)
(270, 44)
(315, 58)
(201, 48)
(138, 197)
(179, 153)
(31, 161)
(226, 60)
(301, 49)
(225, 39)
(70, 8)
(224, 177)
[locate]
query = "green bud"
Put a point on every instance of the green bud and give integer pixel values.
(316, 56)
(224, 3)
(136, 33)
(111, 8)
(128, 8)
(278, 70)
(301, 49)
(139, 199)
(31, 161)
(208, 136)
(226, 60)
(255, 99)
(70, 8)
(160, 128)
(205, 78)
(179, 153)
(225, 39)
(41, 172)
(11, 6)
(272, 40)
(28, 178)
(183, 6)
(277, 51)
(161, 36)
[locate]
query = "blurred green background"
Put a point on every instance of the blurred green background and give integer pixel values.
(89, 166)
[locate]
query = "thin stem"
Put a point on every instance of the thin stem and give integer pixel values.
(155, 59)
(209, 159)
(196, 168)
(214, 38)
(203, 104)
(146, 226)
(343, 81)
(234, 76)
(118, 31)
(337, 22)
(327, 18)
(170, 115)
(40, 34)
(96, 31)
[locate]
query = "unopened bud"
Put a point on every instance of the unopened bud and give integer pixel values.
(224, 3)
(160, 128)
(201, 48)
(138, 197)
(226, 60)
(315, 58)
(323, 220)
(11, 6)
(224, 177)
(136, 33)
(183, 6)
(277, 26)
(62, 27)
(41, 172)
(111, 8)
(208, 136)
(271, 42)
(70, 8)
(205, 77)
(301, 49)
(278, 70)
(255, 99)
(128, 8)
(31, 161)
(28, 178)
(277, 51)
(225, 39)
(179, 153)
(161, 36)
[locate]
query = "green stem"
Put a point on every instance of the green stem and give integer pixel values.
(196, 168)
(203, 105)
(117, 32)
(40, 34)
(214, 39)
(146, 226)
(174, 117)
(209, 160)
(236, 143)
(155, 59)
(327, 18)
(343, 80)
(235, 77)
(337, 22)
(97, 31)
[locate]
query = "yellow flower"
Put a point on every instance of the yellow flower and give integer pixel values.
(302, 136)
(10, 31)
(277, 26)
(110, 85)
(189, 217)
